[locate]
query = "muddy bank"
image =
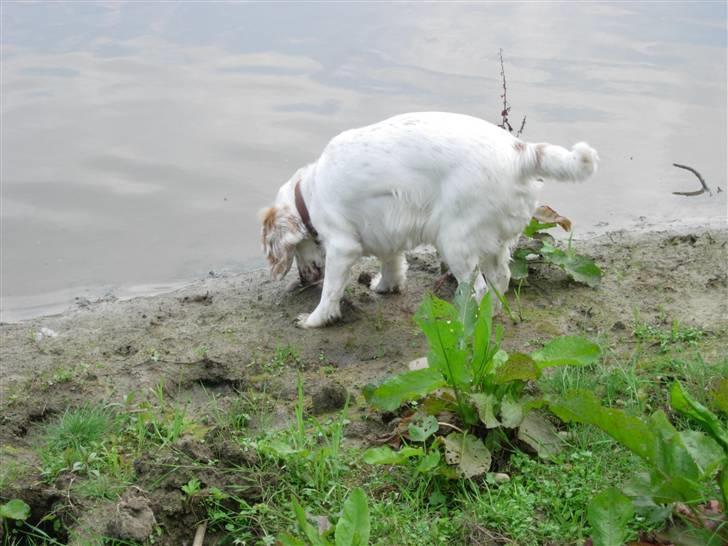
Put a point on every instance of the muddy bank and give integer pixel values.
(203, 345)
(239, 332)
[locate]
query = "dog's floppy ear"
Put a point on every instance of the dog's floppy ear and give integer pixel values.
(281, 231)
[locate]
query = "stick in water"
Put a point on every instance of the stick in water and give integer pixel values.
(702, 182)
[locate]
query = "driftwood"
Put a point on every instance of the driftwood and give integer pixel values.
(704, 189)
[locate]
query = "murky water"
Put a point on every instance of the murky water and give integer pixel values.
(140, 139)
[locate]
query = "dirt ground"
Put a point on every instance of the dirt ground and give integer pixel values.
(235, 333)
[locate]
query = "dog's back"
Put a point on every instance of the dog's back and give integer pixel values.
(406, 177)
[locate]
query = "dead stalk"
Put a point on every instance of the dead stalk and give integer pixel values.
(505, 124)
(446, 424)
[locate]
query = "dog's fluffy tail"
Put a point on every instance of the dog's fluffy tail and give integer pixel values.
(557, 163)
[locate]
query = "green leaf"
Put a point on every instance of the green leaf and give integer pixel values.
(704, 451)
(353, 526)
(580, 268)
(485, 405)
(15, 509)
(511, 412)
(719, 394)
(518, 367)
(276, 448)
(535, 226)
(422, 429)
(288, 540)
(386, 455)
(686, 405)
(441, 324)
(609, 513)
(407, 386)
(677, 475)
(519, 264)
(429, 462)
(723, 483)
(467, 307)
(481, 359)
(467, 452)
(552, 254)
(536, 431)
(567, 351)
(305, 527)
(584, 270)
(584, 407)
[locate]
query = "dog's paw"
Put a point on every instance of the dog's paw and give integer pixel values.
(380, 285)
(302, 320)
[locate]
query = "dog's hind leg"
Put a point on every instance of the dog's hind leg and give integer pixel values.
(392, 276)
(497, 272)
(338, 267)
(461, 263)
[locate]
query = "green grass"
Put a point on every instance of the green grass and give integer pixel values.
(665, 337)
(78, 429)
(542, 502)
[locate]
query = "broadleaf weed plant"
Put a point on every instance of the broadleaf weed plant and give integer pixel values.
(539, 244)
(470, 376)
(683, 468)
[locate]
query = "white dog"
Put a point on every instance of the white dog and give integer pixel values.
(457, 182)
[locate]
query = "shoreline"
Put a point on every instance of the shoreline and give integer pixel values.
(258, 313)
(64, 301)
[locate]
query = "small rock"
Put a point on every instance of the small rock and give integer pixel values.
(418, 364)
(501, 477)
(330, 397)
(133, 518)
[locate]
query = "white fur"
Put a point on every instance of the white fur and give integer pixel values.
(454, 181)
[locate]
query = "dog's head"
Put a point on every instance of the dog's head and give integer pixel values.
(285, 237)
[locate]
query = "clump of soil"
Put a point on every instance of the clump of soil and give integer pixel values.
(214, 343)
(331, 396)
(132, 519)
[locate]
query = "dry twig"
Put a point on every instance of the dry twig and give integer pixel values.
(505, 124)
(702, 182)
(506, 108)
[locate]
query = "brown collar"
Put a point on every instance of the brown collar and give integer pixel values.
(303, 211)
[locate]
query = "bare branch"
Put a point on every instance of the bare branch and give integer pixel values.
(702, 182)
(506, 108)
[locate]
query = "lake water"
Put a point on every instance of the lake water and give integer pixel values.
(140, 139)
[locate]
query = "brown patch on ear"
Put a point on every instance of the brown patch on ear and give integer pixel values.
(519, 146)
(540, 149)
(268, 217)
(279, 234)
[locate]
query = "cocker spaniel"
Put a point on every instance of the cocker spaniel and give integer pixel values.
(453, 181)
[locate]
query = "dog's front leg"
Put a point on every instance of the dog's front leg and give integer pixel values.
(338, 268)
